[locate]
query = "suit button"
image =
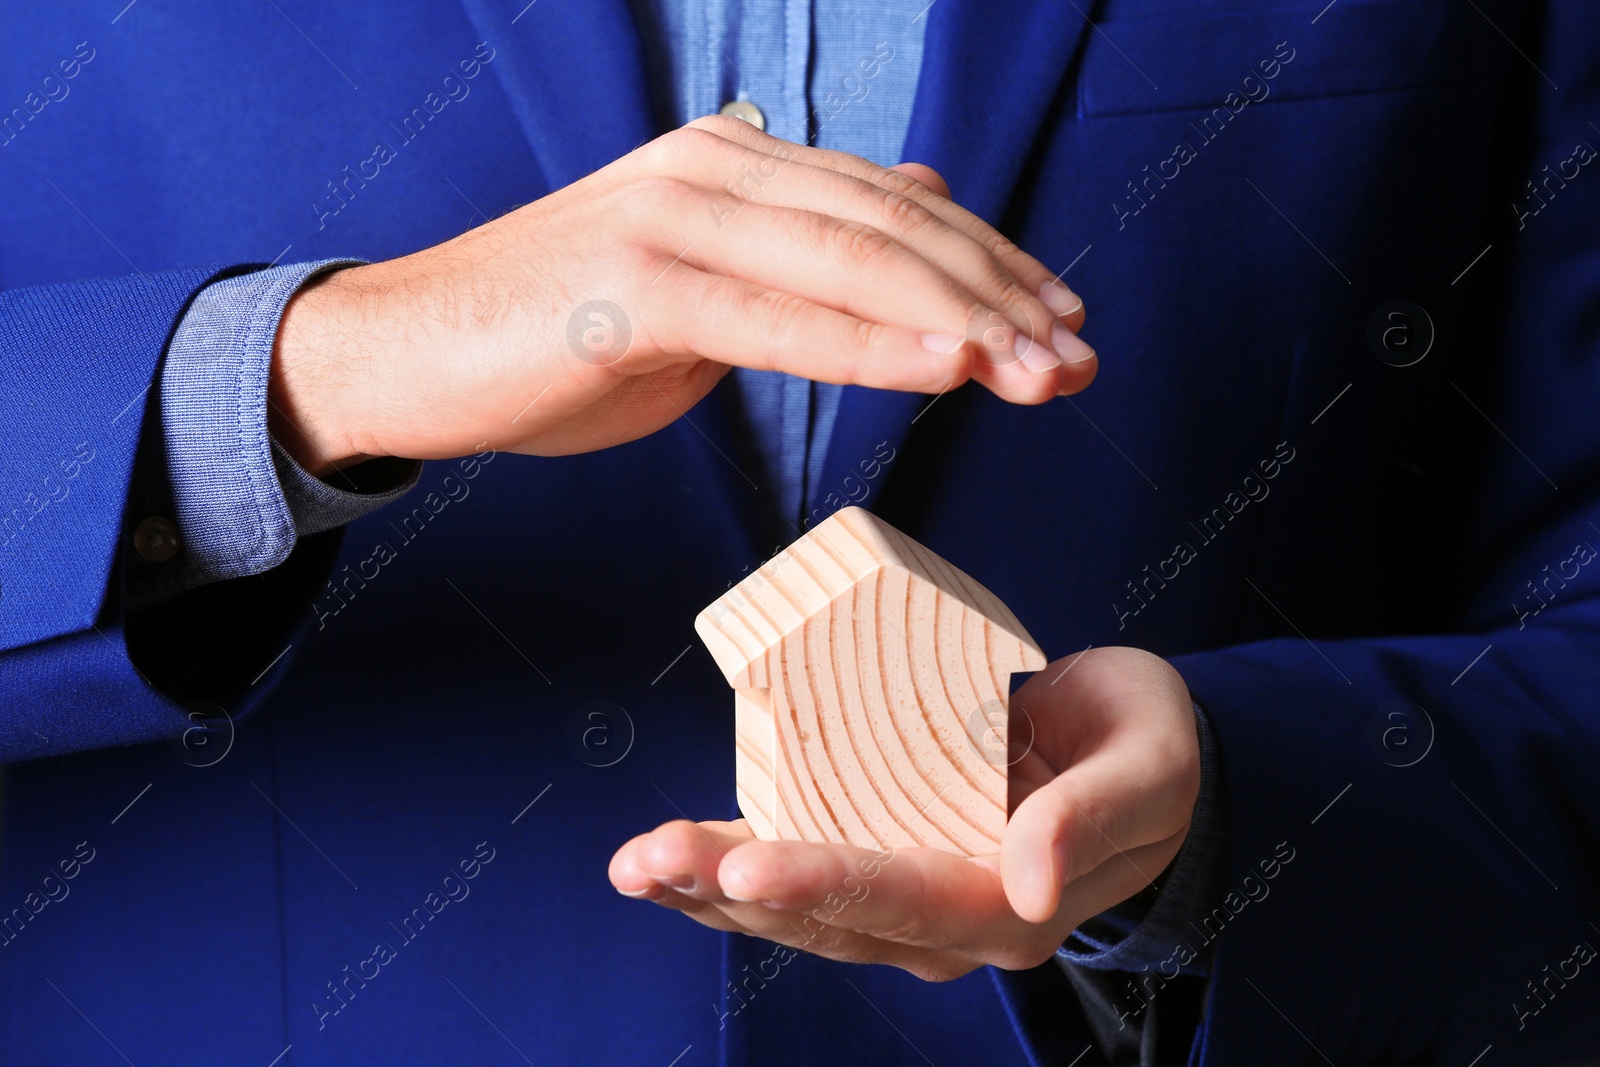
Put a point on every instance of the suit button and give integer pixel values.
(156, 540)
(744, 109)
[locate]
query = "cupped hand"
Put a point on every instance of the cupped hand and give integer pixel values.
(605, 310)
(1102, 790)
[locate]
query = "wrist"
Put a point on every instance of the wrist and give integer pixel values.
(316, 358)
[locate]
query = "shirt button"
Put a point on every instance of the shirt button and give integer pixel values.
(156, 540)
(744, 109)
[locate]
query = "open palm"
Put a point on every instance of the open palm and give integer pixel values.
(1103, 785)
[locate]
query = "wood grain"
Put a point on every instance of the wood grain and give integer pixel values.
(871, 683)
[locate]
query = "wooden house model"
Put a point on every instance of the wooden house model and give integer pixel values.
(871, 683)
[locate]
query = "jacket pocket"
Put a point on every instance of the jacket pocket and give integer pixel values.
(1265, 54)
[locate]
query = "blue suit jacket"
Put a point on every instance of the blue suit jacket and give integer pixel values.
(1373, 575)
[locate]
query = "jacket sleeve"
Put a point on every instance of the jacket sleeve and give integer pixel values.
(1414, 820)
(76, 403)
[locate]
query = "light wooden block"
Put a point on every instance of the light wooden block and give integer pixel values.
(871, 686)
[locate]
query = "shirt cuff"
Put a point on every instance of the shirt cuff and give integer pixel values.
(237, 500)
(1154, 928)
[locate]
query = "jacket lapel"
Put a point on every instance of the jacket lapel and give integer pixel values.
(574, 72)
(991, 72)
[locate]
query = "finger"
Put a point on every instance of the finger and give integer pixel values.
(746, 325)
(948, 911)
(962, 263)
(673, 857)
(1041, 294)
(707, 913)
(926, 175)
(805, 934)
(816, 922)
(913, 896)
(628, 879)
(1065, 304)
(682, 855)
(1033, 274)
(676, 848)
(853, 267)
(842, 263)
(783, 181)
(1121, 796)
(673, 854)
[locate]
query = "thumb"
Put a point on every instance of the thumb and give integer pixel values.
(1118, 799)
(1063, 830)
(1124, 731)
(926, 175)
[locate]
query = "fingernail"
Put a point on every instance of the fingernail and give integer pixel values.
(741, 898)
(1036, 357)
(1060, 299)
(677, 881)
(637, 893)
(942, 343)
(1070, 345)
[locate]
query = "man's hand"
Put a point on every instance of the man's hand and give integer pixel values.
(605, 310)
(1101, 800)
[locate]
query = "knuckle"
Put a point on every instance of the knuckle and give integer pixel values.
(1002, 248)
(704, 122)
(982, 314)
(986, 327)
(652, 207)
(1012, 293)
(870, 336)
(662, 192)
(860, 243)
(898, 182)
(670, 149)
(718, 126)
(781, 313)
(904, 213)
(686, 147)
(994, 277)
